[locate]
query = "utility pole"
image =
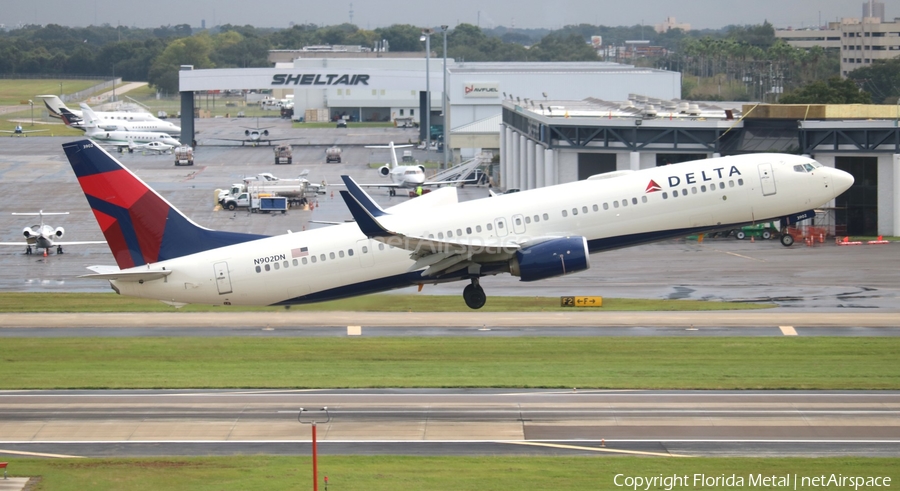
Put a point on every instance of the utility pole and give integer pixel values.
(444, 107)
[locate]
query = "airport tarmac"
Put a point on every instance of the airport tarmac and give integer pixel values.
(453, 422)
(34, 174)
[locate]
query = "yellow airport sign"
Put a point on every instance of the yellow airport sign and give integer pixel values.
(581, 301)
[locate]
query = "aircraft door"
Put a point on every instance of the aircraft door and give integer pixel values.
(766, 179)
(518, 224)
(223, 280)
(500, 227)
(366, 252)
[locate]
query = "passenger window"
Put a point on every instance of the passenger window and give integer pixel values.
(321, 257)
(440, 235)
(365, 249)
(430, 236)
(449, 234)
(295, 262)
(277, 266)
(574, 211)
(285, 264)
(740, 182)
(694, 190)
(643, 199)
(731, 184)
(349, 252)
(304, 260)
(584, 209)
(527, 220)
(490, 227)
(518, 221)
(331, 255)
(478, 228)
(634, 201)
(537, 218)
(380, 247)
(500, 225)
(268, 268)
(546, 217)
(624, 202)
(258, 269)
(459, 232)
(665, 195)
(675, 193)
(703, 188)
(564, 214)
(596, 208)
(615, 204)
(340, 253)
(313, 259)
(605, 206)
(468, 230)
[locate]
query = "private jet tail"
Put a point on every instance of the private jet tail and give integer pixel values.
(90, 118)
(54, 104)
(392, 147)
(140, 226)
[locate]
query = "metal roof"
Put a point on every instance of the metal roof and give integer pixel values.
(486, 126)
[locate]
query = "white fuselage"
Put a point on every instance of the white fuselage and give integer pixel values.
(125, 137)
(610, 212)
(407, 176)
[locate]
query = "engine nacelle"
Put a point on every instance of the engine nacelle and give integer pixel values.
(246, 132)
(384, 171)
(59, 232)
(555, 257)
(28, 233)
(265, 132)
(422, 168)
(109, 127)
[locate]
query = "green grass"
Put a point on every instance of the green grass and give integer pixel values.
(377, 473)
(110, 302)
(14, 91)
(475, 361)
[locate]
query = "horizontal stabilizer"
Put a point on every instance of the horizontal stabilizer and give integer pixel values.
(113, 273)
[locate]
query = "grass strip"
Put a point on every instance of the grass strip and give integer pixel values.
(110, 302)
(377, 473)
(410, 362)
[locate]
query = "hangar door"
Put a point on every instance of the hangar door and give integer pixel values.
(591, 164)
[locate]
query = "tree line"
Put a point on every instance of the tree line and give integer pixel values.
(741, 55)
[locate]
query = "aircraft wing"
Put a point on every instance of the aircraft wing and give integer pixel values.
(436, 255)
(114, 273)
(385, 185)
(55, 243)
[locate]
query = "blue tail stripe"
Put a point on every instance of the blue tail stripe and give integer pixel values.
(364, 219)
(362, 197)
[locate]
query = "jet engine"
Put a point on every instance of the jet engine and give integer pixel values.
(59, 232)
(384, 170)
(246, 132)
(422, 168)
(28, 233)
(554, 257)
(265, 132)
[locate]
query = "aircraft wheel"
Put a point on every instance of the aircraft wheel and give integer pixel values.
(474, 296)
(28, 250)
(59, 250)
(787, 240)
(740, 235)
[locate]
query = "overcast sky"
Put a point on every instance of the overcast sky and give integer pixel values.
(377, 13)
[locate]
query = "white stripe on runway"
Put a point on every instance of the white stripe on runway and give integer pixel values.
(788, 330)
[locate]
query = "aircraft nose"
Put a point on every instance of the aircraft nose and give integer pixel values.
(841, 181)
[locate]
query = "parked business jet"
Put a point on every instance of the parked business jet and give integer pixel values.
(254, 136)
(54, 105)
(157, 147)
(402, 176)
(123, 140)
(538, 234)
(44, 236)
(92, 120)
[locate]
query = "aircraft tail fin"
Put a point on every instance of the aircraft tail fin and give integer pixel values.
(90, 117)
(140, 226)
(362, 197)
(53, 104)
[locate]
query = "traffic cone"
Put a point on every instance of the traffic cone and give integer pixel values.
(752, 239)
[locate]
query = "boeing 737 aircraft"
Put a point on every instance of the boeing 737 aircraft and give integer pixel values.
(162, 254)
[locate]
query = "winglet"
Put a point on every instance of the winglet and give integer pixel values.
(366, 222)
(362, 197)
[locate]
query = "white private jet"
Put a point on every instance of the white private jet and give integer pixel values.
(403, 176)
(254, 136)
(155, 146)
(20, 132)
(123, 139)
(543, 233)
(92, 120)
(44, 237)
(55, 105)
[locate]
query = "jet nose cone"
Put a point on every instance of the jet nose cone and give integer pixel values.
(841, 181)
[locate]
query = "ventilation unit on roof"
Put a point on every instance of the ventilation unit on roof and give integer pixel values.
(694, 110)
(649, 111)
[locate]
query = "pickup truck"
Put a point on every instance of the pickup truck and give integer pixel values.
(262, 204)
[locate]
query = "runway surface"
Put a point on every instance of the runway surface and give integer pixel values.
(452, 422)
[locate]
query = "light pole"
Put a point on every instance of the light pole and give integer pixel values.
(444, 99)
(315, 456)
(426, 36)
(31, 102)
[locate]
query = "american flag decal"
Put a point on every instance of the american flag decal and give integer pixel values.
(303, 251)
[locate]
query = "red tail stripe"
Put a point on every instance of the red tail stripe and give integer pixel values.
(118, 187)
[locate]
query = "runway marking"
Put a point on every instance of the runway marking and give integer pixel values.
(595, 449)
(740, 255)
(788, 330)
(37, 454)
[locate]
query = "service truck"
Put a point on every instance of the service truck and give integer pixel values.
(283, 154)
(333, 154)
(262, 203)
(184, 155)
(297, 191)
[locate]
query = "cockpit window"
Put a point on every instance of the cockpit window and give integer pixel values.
(799, 168)
(809, 167)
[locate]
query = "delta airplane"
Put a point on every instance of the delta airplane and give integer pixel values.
(44, 236)
(162, 254)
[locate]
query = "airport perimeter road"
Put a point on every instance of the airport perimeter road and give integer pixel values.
(452, 422)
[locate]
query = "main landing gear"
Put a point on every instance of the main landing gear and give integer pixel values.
(787, 240)
(392, 192)
(474, 295)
